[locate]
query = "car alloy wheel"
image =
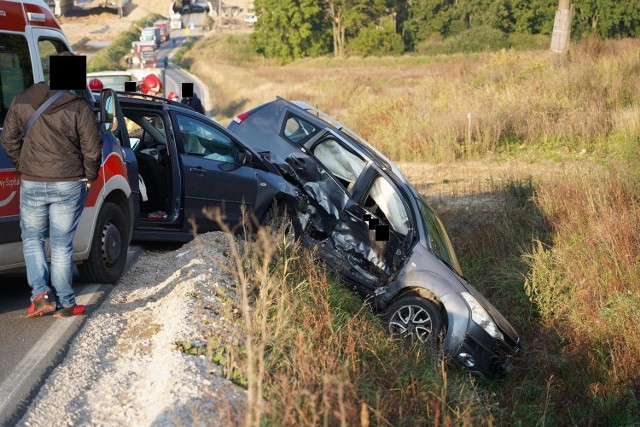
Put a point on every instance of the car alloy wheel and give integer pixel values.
(414, 318)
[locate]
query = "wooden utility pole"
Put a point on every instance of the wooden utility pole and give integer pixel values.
(562, 27)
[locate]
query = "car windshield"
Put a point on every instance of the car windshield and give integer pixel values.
(439, 242)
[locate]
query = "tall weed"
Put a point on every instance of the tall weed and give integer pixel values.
(586, 284)
(316, 355)
(442, 108)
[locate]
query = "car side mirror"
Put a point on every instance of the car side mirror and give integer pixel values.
(108, 100)
(245, 157)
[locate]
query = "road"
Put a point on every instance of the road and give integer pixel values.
(31, 348)
(174, 76)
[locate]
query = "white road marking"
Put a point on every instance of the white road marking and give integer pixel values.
(16, 380)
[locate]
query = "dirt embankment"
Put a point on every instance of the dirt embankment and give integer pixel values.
(124, 368)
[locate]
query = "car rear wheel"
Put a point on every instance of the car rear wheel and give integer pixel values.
(415, 319)
(108, 247)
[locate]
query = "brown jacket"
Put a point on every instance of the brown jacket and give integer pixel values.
(63, 144)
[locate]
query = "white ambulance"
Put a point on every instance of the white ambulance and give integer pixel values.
(29, 34)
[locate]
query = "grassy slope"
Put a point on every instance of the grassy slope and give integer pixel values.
(529, 160)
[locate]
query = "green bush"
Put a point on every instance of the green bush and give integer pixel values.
(525, 41)
(378, 41)
(178, 57)
(476, 39)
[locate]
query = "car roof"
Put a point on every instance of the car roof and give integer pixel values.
(150, 100)
(158, 102)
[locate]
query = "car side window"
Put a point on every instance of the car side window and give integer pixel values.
(46, 48)
(298, 130)
(342, 163)
(383, 201)
(203, 140)
(16, 73)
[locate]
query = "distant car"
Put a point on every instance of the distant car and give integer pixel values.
(370, 225)
(199, 8)
(112, 79)
(250, 19)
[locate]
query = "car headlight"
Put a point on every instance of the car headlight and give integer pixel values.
(481, 317)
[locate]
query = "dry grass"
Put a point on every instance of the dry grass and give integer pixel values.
(412, 108)
(316, 355)
(586, 283)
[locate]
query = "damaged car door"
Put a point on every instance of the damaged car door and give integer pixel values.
(372, 228)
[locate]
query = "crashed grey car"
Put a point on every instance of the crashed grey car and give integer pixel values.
(377, 231)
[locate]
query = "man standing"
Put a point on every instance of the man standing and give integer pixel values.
(58, 160)
(194, 102)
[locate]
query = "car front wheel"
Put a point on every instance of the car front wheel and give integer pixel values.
(281, 219)
(108, 247)
(415, 319)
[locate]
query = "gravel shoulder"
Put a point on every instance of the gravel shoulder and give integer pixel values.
(123, 367)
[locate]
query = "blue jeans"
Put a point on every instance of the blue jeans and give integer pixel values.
(50, 210)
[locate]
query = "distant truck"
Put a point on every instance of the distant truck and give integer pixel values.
(143, 54)
(151, 34)
(250, 19)
(176, 21)
(163, 24)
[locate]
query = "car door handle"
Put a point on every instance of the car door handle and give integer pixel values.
(199, 170)
(298, 163)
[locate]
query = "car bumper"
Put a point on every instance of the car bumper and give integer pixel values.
(484, 355)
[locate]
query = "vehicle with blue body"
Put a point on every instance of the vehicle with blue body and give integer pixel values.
(189, 165)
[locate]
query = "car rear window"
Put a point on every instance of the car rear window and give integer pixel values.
(298, 130)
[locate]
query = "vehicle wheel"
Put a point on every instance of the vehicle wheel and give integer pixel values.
(280, 218)
(414, 318)
(108, 247)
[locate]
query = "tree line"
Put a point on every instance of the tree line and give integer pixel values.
(293, 29)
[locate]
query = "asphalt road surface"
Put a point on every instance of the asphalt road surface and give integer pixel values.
(174, 77)
(31, 348)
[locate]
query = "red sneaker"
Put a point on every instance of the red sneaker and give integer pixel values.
(40, 305)
(72, 310)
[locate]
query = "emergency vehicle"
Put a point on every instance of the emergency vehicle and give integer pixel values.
(143, 54)
(163, 24)
(29, 34)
